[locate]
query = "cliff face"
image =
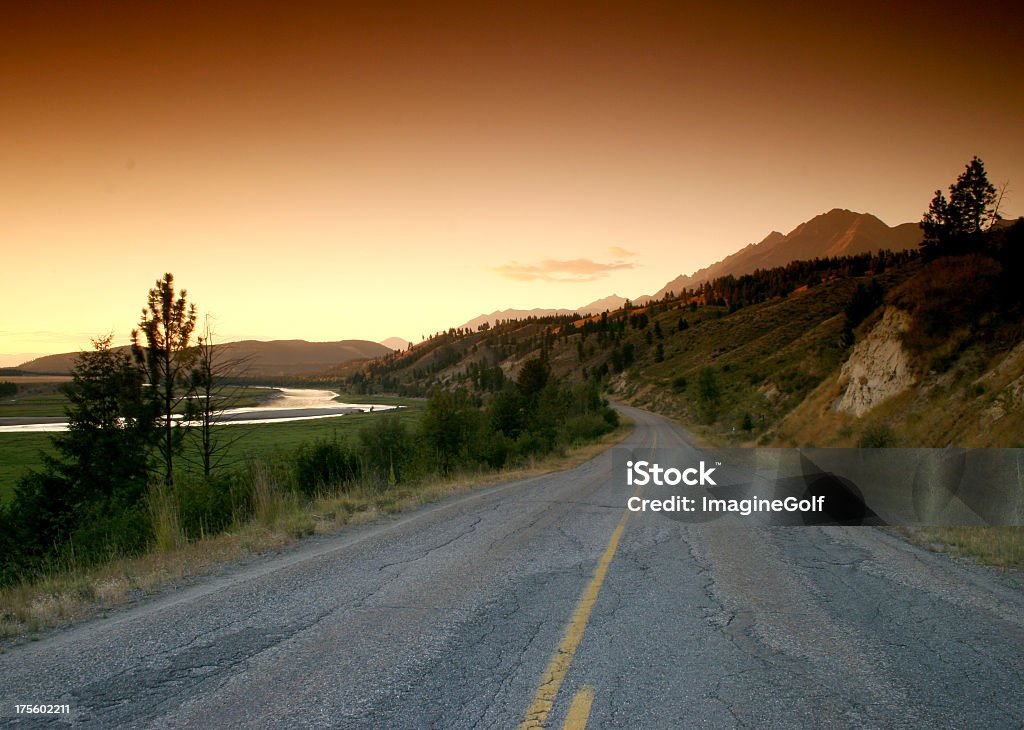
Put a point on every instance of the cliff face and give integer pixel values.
(879, 367)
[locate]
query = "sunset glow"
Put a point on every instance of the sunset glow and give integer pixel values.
(328, 172)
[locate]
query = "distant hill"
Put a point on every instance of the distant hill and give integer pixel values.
(839, 232)
(601, 305)
(396, 343)
(276, 358)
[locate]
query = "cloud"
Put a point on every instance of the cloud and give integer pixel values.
(620, 253)
(572, 270)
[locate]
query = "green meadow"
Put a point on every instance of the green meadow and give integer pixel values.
(20, 452)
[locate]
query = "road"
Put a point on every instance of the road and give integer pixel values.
(540, 601)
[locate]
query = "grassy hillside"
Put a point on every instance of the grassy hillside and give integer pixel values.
(758, 360)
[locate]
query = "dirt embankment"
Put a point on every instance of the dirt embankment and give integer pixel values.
(879, 367)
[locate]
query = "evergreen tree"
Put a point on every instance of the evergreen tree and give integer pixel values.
(956, 225)
(106, 449)
(91, 492)
(167, 323)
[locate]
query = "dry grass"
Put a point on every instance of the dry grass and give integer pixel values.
(1000, 546)
(280, 519)
(77, 593)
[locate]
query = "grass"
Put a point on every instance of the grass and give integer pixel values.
(391, 400)
(30, 404)
(269, 439)
(1000, 546)
(45, 398)
(19, 452)
(280, 518)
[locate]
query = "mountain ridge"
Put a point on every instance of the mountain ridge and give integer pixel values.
(838, 232)
(262, 358)
(608, 303)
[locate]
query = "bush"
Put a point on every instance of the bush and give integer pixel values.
(322, 464)
(104, 532)
(205, 505)
(388, 449)
(877, 436)
(586, 427)
(611, 417)
(495, 450)
(709, 395)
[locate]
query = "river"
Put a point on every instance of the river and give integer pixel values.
(293, 404)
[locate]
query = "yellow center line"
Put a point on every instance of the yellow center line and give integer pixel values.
(579, 710)
(558, 667)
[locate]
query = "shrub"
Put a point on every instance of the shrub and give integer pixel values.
(877, 436)
(611, 416)
(388, 449)
(709, 395)
(163, 512)
(322, 463)
(205, 505)
(586, 427)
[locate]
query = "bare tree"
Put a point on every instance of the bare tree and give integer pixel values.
(211, 395)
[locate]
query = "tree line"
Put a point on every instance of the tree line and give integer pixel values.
(135, 414)
(129, 412)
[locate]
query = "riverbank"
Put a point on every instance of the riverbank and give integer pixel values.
(286, 404)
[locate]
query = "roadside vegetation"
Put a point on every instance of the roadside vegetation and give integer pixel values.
(999, 546)
(264, 505)
(127, 488)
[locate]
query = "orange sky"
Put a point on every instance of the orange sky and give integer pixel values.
(324, 171)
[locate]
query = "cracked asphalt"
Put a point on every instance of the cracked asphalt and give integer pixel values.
(447, 617)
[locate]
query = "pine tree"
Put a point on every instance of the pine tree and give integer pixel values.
(167, 323)
(956, 225)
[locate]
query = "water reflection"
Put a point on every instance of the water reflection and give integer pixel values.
(292, 404)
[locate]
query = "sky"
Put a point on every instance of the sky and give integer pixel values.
(330, 171)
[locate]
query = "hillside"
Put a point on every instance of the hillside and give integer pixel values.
(859, 350)
(836, 233)
(276, 358)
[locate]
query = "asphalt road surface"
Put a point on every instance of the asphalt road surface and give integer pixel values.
(543, 602)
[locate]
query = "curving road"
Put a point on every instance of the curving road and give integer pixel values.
(541, 602)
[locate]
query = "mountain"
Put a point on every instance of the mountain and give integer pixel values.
(839, 232)
(596, 307)
(396, 343)
(262, 359)
(870, 350)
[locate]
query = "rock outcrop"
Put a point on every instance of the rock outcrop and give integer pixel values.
(879, 366)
